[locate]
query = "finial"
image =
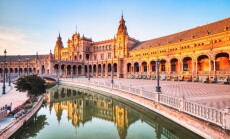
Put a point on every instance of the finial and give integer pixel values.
(50, 51)
(76, 29)
(122, 14)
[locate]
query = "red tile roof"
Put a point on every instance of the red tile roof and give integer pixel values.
(200, 31)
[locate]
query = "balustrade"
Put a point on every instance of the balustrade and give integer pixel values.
(201, 111)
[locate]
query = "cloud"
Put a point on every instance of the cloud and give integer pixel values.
(17, 42)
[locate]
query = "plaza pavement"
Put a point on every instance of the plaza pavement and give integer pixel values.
(212, 95)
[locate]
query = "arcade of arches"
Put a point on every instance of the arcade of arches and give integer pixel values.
(198, 54)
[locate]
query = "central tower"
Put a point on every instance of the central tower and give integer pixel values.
(121, 49)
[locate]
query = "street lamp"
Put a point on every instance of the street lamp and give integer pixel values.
(4, 87)
(27, 59)
(9, 72)
(88, 71)
(19, 65)
(158, 88)
(112, 72)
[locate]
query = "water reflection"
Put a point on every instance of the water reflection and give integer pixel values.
(92, 114)
(36, 124)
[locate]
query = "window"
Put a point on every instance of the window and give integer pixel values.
(102, 56)
(109, 55)
(95, 56)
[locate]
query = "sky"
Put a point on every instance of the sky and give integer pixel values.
(30, 26)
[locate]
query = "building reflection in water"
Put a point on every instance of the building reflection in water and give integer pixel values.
(82, 105)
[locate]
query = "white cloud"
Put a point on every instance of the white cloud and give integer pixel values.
(21, 42)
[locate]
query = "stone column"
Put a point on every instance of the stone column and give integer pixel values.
(214, 67)
(102, 70)
(96, 70)
(106, 70)
(71, 70)
(76, 70)
(169, 67)
(66, 71)
(196, 68)
(179, 66)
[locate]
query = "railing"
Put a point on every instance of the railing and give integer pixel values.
(203, 112)
(13, 127)
(170, 101)
(206, 113)
(3, 113)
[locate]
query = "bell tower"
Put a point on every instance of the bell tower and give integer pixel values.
(58, 47)
(121, 49)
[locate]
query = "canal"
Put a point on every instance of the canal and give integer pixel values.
(81, 113)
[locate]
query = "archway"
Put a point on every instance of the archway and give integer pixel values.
(129, 68)
(163, 62)
(43, 69)
(174, 65)
(144, 66)
(136, 67)
(56, 67)
(79, 70)
(115, 67)
(153, 66)
(187, 64)
(99, 68)
(222, 62)
(74, 69)
(68, 70)
(86, 69)
(203, 63)
(15, 70)
(94, 69)
(62, 70)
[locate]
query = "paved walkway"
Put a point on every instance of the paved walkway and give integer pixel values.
(213, 95)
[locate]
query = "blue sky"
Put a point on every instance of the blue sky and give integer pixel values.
(30, 26)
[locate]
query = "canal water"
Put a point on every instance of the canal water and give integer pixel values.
(80, 113)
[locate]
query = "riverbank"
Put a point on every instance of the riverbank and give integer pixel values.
(18, 123)
(199, 127)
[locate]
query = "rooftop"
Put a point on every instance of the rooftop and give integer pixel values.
(197, 32)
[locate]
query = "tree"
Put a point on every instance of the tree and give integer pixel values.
(33, 84)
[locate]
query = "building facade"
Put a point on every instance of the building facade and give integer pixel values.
(198, 54)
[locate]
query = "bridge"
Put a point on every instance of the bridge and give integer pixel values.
(49, 77)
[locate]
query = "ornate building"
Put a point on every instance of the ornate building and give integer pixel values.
(198, 54)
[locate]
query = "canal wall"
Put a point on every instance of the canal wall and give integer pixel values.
(15, 126)
(197, 126)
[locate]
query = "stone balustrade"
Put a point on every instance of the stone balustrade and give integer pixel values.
(212, 115)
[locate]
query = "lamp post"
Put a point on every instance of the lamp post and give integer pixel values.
(4, 64)
(19, 65)
(9, 73)
(158, 88)
(112, 72)
(27, 59)
(88, 71)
